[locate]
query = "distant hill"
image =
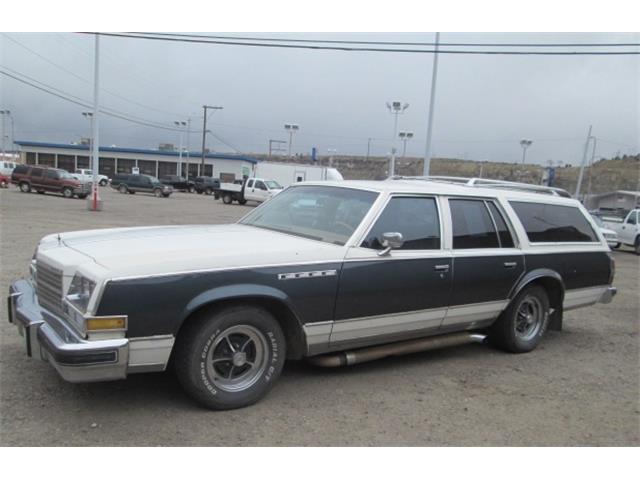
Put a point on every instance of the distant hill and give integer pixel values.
(605, 175)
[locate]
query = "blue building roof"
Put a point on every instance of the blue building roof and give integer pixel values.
(168, 153)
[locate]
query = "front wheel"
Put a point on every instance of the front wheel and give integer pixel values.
(191, 189)
(123, 189)
(226, 198)
(522, 325)
(67, 192)
(82, 196)
(207, 191)
(242, 201)
(103, 183)
(637, 245)
(230, 358)
(157, 192)
(25, 187)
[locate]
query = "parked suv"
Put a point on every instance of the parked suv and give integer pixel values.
(133, 183)
(206, 185)
(337, 272)
(47, 179)
(179, 183)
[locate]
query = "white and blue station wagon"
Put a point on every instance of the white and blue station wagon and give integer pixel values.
(335, 272)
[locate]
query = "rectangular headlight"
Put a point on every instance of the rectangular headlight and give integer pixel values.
(80, 292)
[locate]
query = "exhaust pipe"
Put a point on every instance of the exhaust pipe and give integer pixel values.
(361, 355)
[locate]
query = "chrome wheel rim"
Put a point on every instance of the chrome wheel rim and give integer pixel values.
(238, 358)
(529, 318)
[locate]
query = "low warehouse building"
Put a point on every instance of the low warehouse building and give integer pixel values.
(114, 160)
(619, 201)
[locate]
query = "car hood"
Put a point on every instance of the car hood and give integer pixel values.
(142, 251)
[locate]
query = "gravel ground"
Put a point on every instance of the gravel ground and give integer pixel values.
(580, 387)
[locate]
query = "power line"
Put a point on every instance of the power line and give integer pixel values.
(73, 99)
(370, 42)
(360, 49)
(85, 80)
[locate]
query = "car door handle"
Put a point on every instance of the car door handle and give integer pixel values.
(441, 268)
(510, 264)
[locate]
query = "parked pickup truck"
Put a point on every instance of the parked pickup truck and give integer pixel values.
(178, 183)
(47, 179)
(628, 230)
(252, 189)
(85, 175)
(336, 272)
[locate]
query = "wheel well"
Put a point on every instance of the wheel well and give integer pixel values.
(555, 291)
(296, 344)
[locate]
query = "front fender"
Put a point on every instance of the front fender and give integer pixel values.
(230, 292)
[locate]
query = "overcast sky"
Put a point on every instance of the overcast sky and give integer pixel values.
(485, 104)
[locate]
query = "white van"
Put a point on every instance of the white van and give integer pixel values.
(6, 167)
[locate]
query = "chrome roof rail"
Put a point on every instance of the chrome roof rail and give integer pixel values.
(490, 183)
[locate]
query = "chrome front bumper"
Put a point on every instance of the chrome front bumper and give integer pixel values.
(50, 338)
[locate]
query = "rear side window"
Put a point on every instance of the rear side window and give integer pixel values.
(416, 218)
(553, 223)
(37, 172)
(472, 225)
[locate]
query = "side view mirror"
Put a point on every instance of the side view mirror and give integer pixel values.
(390, 241)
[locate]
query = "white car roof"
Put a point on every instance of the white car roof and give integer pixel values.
(443, 188)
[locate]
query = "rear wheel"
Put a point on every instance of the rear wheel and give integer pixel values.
(25, 187)
(242, 201)
(637, 245)
(82, 196)
(103, 182)
(226, 198)
(230, 358)
(207, 191)
(191, 189)
(41, 192)
(67, 192)
(522, 325)
(123, 189)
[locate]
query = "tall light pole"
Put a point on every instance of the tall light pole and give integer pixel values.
(524, 143)
(180, 124)
(204, 132)
(4, 113)
(432, 102)
(405, 137)
(188, 148)
(291, 128)
(584, 160)
(395, 108)
(331, 152)
(95, 203)
(89, 116)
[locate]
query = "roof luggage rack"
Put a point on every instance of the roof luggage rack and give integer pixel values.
(489, 183)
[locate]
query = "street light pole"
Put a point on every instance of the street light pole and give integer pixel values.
(584, 159)
(291, 128)
(95, 203)
(395, 108)
(524, 143)
(331, 152)
(432, 101)
(89, 116)
(405, 136)
(4, 113)
(204, 133)
(180, 124)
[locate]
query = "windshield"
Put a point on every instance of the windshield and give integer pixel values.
(328, 214)
(153, 179)
(273, 185)
(67, 175)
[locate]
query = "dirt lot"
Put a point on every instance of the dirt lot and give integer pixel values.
(581, 387)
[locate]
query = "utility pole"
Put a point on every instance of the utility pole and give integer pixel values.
(368, 147)
(204, 132)
(95, 203)
(584, 159)
(3, 113)
(89, 116)
(432, 101)
(188, 148)
(331, 152)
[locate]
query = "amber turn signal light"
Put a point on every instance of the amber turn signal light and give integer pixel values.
(106, 323)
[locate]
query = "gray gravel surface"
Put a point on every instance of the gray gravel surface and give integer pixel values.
(580, 387)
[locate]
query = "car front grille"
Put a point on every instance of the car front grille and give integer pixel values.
(49, 287)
